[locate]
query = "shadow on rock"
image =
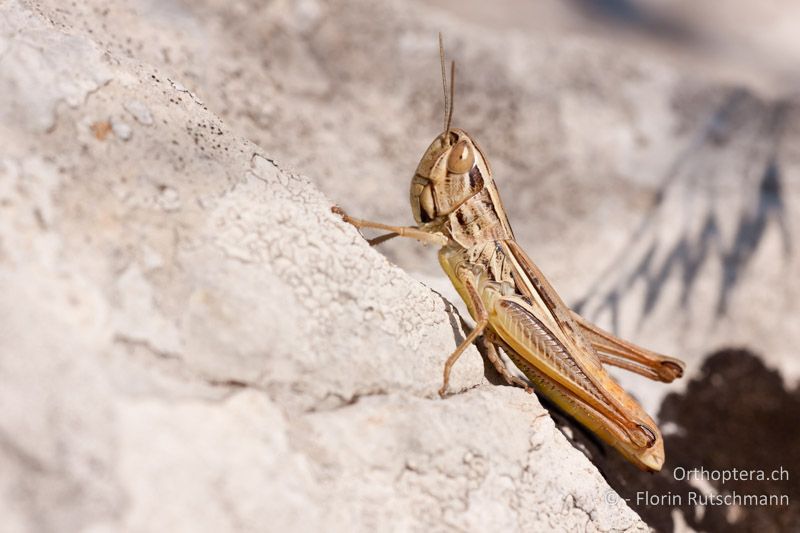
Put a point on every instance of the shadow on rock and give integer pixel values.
(736, 416)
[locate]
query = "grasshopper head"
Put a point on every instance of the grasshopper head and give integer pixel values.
(451, 171)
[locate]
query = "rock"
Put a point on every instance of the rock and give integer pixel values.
(192, 341)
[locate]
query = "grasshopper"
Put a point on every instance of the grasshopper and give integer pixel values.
(457, 207)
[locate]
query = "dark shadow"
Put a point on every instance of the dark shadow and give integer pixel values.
(735, 415)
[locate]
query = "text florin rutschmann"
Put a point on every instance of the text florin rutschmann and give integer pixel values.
(699, 498)
(726, 498)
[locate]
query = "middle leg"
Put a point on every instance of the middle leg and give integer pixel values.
(482, 321)
(490, 341)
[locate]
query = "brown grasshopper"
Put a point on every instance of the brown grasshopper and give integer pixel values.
(456, 206)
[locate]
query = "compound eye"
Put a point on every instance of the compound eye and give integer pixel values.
(427, 205)
(461, 159)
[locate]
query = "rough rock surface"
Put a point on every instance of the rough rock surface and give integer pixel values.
(190, 340)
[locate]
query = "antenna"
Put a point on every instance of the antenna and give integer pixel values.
(448, 102)
(444, 82)
(452, 94)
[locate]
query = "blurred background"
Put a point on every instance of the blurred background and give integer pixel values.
(646, 151)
